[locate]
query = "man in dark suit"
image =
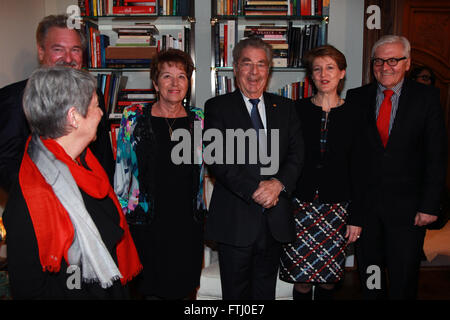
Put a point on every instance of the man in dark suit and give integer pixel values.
(249, 214)
(406, 171)
(56, 45)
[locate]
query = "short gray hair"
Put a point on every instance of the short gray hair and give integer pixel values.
(393, 39)
(255, 43)
(50, 93)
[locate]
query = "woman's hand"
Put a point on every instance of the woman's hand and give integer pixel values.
(352, 233)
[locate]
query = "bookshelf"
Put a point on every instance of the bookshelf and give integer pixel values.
(291, 26)
(131, 71)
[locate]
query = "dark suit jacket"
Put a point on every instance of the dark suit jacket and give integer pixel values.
(338, 174)
(407, 176)
(14, 132)
(234, 218)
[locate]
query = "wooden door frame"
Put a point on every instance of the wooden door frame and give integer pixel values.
(391, 23)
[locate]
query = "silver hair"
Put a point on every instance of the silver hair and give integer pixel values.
(50, 93)
(393, 39)
(253, 42)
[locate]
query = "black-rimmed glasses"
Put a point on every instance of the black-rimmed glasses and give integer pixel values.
(391, 61)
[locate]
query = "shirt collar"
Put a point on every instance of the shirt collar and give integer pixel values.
(397, 88)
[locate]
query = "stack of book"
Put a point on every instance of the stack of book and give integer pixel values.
(128, 97)
(271, 7)
(228, 7)
(135, 46)
(110, 85)
(307, 7)
(96, 44)
(135, 7)
(174, 7)
(276, 36)
(297, 90)
(96, 7)
(225, 38)
(224, 84)
(181, 41)
(302, 39)
(266, 8)
(117, 7)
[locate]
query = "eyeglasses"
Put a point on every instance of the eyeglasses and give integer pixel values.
(246, 66)
(391, 61)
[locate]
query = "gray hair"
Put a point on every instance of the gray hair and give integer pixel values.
(50, 93)
(58, 21)
(252, 42)
(393, 39)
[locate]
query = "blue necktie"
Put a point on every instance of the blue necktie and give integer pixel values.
(254, 115)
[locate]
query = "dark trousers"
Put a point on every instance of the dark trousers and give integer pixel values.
(394, 251)
(250, 273)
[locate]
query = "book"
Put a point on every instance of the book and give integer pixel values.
(231, 35)
(130, 52)
(133, 41)
(268, 2)
(265, 13)
(135, 10)
(114, 135)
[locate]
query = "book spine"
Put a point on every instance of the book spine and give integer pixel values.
(134, 10)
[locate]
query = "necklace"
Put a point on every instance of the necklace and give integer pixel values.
(170, 126)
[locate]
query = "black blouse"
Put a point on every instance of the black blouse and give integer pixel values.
(338, 173)
(27, 279)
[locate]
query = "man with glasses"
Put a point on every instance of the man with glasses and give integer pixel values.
(406, 171)
(249, 215)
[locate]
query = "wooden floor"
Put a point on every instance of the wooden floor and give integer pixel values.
(434, 284)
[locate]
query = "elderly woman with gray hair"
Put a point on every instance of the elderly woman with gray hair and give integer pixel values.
(67, 237)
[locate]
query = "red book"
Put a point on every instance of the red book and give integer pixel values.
(305, 9)
(305, 88)
(108, 83)
(114, 133)
(86, 6)
(134, 10)
(91, 42)
(225, 44)
(97, 50)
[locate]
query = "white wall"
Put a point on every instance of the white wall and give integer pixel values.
(345, 32)
(18, 22)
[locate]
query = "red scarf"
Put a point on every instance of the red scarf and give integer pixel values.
(52, 225)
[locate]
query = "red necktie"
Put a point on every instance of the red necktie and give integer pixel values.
(384, 116)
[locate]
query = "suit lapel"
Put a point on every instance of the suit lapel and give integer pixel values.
(240, 111)
(372, 102)
(400, 115)
(272, 118)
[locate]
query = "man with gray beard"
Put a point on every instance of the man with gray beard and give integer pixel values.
(56, 45)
